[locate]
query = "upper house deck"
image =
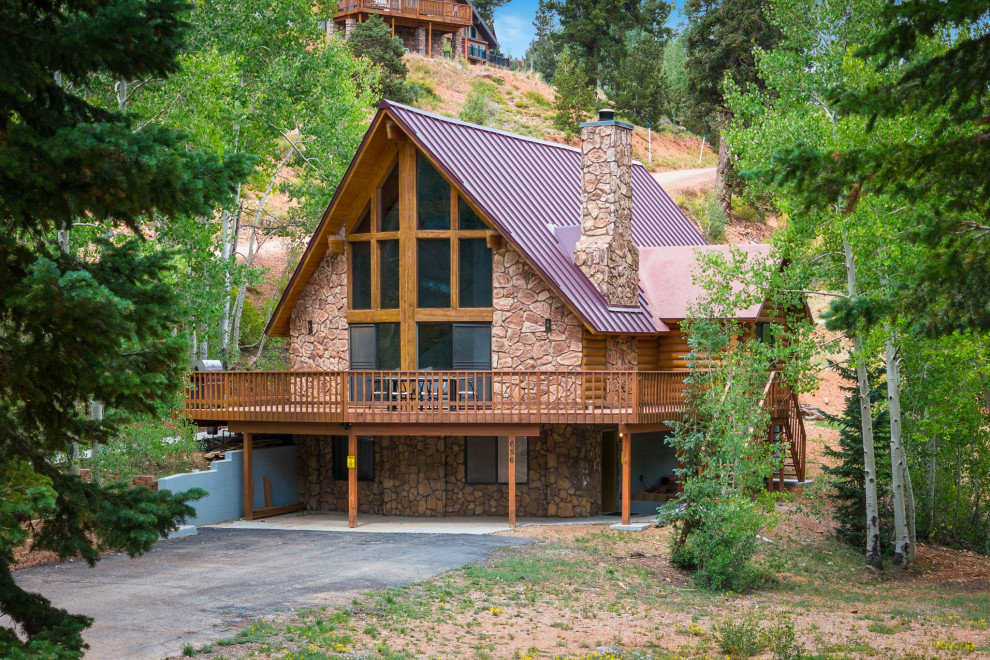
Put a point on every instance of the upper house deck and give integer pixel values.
(437, 11)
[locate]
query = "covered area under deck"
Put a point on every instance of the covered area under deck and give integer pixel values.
(513, 436)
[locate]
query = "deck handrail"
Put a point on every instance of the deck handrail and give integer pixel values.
(439, 10)
(492, 396)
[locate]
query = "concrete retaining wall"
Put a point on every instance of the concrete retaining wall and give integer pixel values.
(224, 483)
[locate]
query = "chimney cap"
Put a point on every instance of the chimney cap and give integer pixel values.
(606, 117)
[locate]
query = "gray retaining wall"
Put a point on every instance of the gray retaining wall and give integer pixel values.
(224, 483)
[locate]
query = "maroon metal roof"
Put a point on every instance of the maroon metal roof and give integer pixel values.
(531, 190)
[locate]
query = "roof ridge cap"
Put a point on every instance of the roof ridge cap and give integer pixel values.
(487, 129)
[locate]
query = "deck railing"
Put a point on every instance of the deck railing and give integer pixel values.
(527, 397)
(435, 10)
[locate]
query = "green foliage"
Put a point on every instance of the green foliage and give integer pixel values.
(147, 446)
(483, 105)
(847, 475)
(96, 323)
(749, 636)
(722, 41)
(704, 210)
(252, 324)
(675, 60)
(543, 50)
(722, 441)
(595, 31)
(916, 93)
(641, 90)
(372, 39)
(487, 8)
(574, 98)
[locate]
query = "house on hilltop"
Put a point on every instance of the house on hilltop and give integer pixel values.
(424, 26)
(496, 336)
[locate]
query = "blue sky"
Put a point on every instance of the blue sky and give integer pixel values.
(514, 25)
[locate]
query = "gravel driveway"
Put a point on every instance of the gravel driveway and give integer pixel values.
(189, 590)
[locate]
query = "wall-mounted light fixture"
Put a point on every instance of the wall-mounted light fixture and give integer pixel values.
(546, 325)
(309, 326)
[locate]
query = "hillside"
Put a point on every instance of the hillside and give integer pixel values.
(523, 103)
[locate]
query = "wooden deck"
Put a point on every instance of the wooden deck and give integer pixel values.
(436, 397)
(436, 11)
(433, 399)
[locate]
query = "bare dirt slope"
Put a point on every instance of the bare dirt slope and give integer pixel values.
(681, 181)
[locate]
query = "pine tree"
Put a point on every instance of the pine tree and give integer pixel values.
(641, 88)
(94, 327)
(373, 40)
(848, 473)
(574, 97)
(938, 174)
(542, 53)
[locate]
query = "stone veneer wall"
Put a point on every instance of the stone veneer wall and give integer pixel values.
(606, 252)
(324, 302)
(521, 302)
(419, 476)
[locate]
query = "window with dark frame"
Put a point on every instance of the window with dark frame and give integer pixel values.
(361, 275)
(487, 460)
(460, 346)
(374, 346)
(365, 458)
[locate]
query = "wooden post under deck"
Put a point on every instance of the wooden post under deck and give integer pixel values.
(429, 40)
(393, 27)
(626, 477)
(512, 481)
(248, 477)
(352, 479)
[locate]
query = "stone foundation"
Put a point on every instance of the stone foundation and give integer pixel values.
(421, 476)
(420, 41)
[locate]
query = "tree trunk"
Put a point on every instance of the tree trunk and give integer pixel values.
(932, 475)
(902, 544)
(874, 555)
(96, 414)
(912, 514)
(722, 192)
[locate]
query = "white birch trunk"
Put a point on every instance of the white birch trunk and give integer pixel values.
(912, 514)
(902, 544)
(874, 556)
(249, 259)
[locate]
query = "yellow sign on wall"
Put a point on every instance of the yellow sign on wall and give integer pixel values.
(351, 462)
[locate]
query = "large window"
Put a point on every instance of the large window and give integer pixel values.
(487, 460)
(432, 195)
(388, 264)
(375, 346)
(389, 201)
(361, 276)
(433, 272)
(475, 271)
(462, 346)
(419, 269)
(365, 458)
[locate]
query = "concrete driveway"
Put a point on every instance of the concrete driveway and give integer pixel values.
(189, 590)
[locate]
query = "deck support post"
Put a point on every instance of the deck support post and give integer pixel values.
(352, 479)
(626, 476)
(246, 459)
(512, 480)
(429, 40)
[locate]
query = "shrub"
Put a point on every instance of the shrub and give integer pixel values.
(538, 99)
(252, 324)
(721, 547)
(156, 447)
(740, 639)
(483, 105)
(714, 221)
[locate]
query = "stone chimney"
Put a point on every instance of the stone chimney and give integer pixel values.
(606, 252)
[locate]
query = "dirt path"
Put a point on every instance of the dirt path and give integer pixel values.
(702, 178)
